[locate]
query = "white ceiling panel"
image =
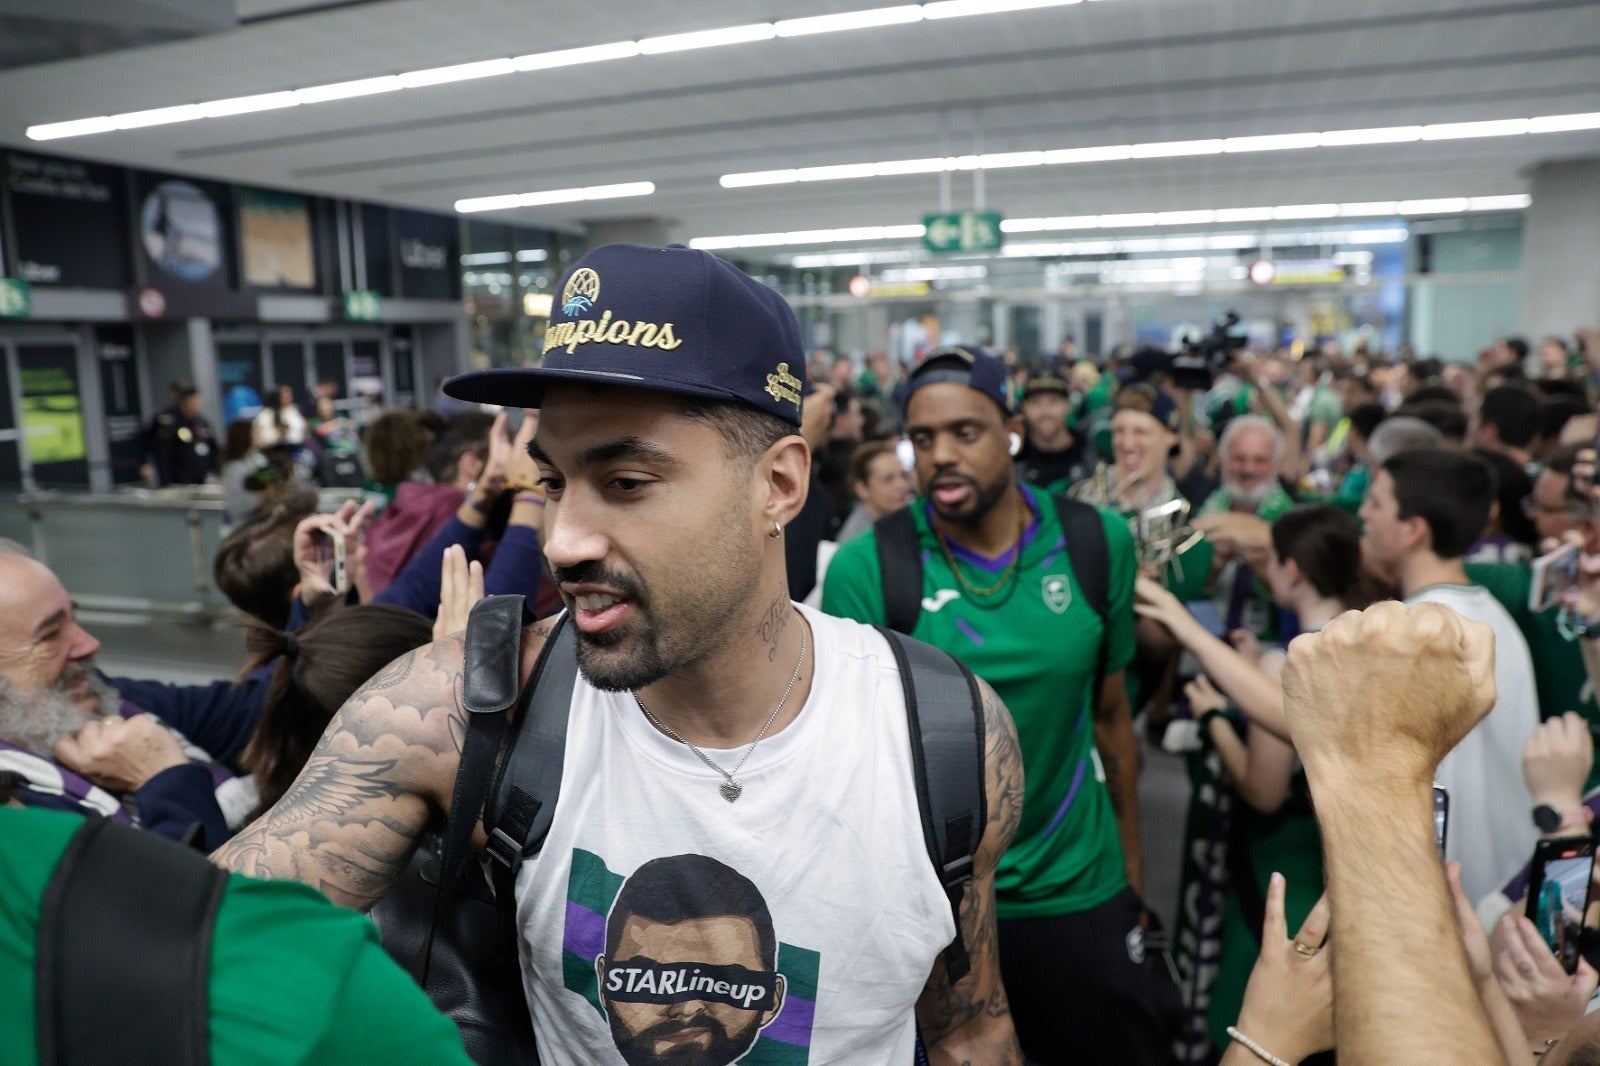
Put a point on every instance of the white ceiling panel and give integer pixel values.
(1118, 71)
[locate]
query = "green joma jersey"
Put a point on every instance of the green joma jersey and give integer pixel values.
(1036, 641)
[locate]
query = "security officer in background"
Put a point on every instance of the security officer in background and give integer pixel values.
(180, 443)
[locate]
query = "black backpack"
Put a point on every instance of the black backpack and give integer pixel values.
(123, 954)
(514, 776)
(900, 564)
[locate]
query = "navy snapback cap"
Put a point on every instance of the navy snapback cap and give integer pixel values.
(1046, 383)
(666, 319)
(963, 364)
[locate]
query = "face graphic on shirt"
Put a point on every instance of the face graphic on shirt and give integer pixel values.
(688, 976)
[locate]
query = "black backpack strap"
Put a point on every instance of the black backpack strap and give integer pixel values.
(489, 684)
(522, 800)
(944, 714)
(123, 961)
(1090, 555)
(900, 565)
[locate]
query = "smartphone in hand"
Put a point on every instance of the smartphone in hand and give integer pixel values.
(1555, 574)
(1559, 889)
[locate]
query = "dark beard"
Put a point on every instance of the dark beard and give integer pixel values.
(984, 499)
(636, 1048)
(36, 721)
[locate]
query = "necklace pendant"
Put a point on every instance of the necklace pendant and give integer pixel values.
(730, 789)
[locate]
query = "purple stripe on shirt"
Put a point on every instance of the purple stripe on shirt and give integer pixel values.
(585, 933)
(1072, 792)
(1048, 559)
(793, 1023)
(983, 562)
(966, 627)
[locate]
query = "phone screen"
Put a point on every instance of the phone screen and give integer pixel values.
(1558, 894)
(1554, 575)
(341, 576)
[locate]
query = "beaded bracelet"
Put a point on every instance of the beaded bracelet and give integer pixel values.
(1256, 1049)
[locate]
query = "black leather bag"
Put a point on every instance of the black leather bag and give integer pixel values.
(459, 943)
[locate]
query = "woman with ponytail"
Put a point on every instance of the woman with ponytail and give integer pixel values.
(318, 668)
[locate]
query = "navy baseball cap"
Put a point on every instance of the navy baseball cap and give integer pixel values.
(667, 319)
(1046, 383)
(963, 364)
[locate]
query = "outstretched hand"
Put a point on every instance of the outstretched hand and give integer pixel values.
(460, 587)
(1288, 1003)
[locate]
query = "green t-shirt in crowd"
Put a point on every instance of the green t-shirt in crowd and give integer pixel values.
(1352, 490)
(1037, 643)
(1558, 673)
(295, 980)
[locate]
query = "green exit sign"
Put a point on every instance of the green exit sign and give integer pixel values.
(962, 231)
(16, 299)
(363, 305)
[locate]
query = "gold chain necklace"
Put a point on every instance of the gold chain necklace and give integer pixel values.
(1005, 577)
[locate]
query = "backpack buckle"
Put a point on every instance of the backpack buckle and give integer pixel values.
(503, 849)
(957, 871)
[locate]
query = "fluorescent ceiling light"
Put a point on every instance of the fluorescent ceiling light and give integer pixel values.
(160, 116)
(487, 68)
(532, 255)
(1518, 202)
(1381, 135)
(1293, 211)
(1450, 131)
(78, 127)
(683, 42)
(1564, 123)
(1140, 220)
(899, 14)
(509, 201)
(849, 20)
(1163, 149)
(1449, 205)
(473, 259)
(345, 90)
(569, 57)
(1274, 142)
(950, 9)
(245, 105)
(1374, 208)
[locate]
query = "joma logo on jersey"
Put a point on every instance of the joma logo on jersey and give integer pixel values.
(939, 599)
(1057, 593)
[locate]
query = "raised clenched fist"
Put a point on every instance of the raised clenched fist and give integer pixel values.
(1380, 696)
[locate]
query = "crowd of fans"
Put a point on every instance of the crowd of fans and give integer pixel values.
(1225, 522)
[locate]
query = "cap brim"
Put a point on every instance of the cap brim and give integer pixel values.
(525, 386)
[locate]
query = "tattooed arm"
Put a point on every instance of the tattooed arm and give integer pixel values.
(970, 1021)
(383, 770)
(1119, 754)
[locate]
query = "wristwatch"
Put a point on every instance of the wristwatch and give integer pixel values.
(1547, 818)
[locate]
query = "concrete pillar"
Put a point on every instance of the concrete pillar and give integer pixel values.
(1561, 233)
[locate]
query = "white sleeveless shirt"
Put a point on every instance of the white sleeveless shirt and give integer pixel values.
(796, 926)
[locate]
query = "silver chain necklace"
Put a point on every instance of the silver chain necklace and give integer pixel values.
(731, 786)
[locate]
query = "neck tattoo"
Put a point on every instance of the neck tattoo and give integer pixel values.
(731, 786)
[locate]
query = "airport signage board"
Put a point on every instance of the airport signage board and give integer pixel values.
(68, 219)
(961, 231)
(363, 305)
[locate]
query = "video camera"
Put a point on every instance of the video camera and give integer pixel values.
(1196, 367)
